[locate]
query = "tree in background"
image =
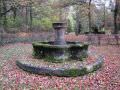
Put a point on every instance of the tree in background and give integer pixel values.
(71, 20)
(32, 15)
(116, 16)
(89, 15)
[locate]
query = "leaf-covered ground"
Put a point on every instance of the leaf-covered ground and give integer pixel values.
(13, 78)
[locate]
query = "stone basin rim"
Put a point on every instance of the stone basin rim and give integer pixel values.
(72, 72)
(68, 45)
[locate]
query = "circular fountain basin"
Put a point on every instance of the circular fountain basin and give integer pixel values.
(59, 53)
(66, 69)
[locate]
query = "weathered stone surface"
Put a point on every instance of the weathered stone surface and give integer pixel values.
(67, 72)
(72, 50)
(59, 33)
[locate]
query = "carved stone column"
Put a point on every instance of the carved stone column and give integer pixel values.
(59, 33)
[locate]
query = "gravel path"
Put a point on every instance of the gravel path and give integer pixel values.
(13, 78)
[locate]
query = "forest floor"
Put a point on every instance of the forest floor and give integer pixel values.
(13, 78)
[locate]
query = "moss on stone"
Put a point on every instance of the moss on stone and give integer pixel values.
(66, 72)
(82, 59)
(47, 49)
(75, 72)
(46, 45)
(52, 59)
(97, 66)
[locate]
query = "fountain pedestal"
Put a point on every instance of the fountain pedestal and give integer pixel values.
(59, 28)
(59, 33)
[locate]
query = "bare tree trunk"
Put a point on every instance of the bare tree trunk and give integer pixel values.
(115, 17)
(26, 16)
(104, 16)
(89, 16)
(14, 9)
(4, 16)
(0, 11)
(78, 23)
(31, 18)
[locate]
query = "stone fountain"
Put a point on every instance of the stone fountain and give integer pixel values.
(60, 51)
